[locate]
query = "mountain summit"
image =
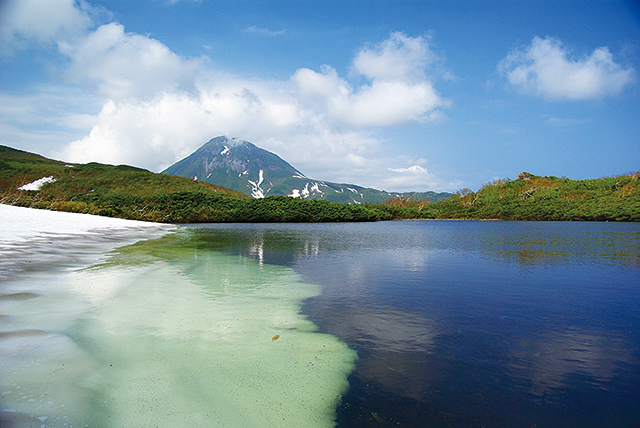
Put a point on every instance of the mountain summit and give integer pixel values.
(242, 166)
(236, 164)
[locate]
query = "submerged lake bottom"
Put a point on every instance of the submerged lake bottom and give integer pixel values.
(406, 324)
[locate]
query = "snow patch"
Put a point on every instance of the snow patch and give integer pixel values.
(30, 237)
(36, 185)
(225, 151)
(316, 188)
(209, 175)
(257, 191)
(309, 189)
(29, 225)
(298, 175)
(305, 191)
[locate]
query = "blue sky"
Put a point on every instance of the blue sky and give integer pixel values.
(396, 95)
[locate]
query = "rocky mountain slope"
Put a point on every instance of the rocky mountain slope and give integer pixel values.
(244, 167)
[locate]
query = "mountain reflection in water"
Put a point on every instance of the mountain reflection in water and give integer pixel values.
(508, 324)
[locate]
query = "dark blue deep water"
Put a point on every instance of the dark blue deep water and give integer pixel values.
(471, 324)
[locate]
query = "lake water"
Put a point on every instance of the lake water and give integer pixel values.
(406, 324)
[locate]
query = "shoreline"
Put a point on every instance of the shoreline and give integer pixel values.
(40, 240)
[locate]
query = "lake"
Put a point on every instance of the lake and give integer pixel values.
(409, 324)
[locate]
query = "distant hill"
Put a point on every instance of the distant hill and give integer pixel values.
(18, 168)
(532, 197)
(244, 167)
(89, 188)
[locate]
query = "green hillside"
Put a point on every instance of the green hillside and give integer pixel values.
(532, 197)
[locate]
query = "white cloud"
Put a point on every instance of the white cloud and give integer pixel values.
(27, 21)
(389, 103)
(410, 178)
(125, 65)
(398, 58)
(544, 68)
(156, 133)
(398, 91)
(414, 169)
(150, 134)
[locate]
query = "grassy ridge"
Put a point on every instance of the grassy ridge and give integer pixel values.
(532, 197)
(136, 194)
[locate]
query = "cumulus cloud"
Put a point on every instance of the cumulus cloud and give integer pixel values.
(141, 133)
(546, 69)
(398, 58)
(398, 90)
(38, 21)
(405, 179)
(124, 65)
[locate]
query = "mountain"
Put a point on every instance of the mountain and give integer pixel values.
(244, 167)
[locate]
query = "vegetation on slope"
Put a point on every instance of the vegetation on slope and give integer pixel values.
(133, 193)
(532, 197)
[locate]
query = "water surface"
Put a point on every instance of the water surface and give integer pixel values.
(455, 324)
(470, 324)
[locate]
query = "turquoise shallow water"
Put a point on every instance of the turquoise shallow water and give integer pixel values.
(168, 333)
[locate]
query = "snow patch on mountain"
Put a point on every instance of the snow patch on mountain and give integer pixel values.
(315, 188)
(36, 185)
(305, 191)
(257, 191)
(309, 189)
